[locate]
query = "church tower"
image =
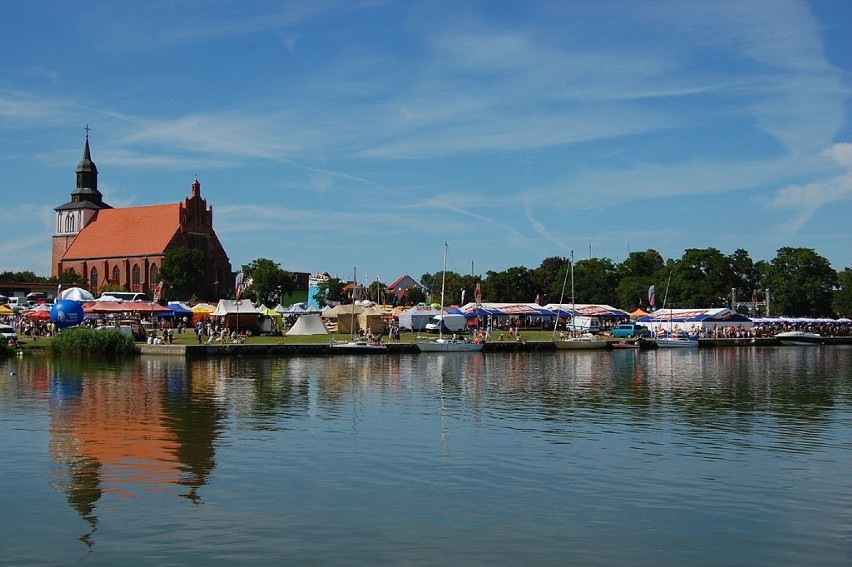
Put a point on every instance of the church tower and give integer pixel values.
(84, 205)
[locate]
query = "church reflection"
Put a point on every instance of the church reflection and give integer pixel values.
(113, 431)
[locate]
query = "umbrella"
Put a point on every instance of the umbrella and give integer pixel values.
(39, 315)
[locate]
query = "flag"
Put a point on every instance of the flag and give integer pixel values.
(238, 287)
(158, 292)
(754, 297)
(477, 294)
(652, 296)
(462, 297)
(58, 292)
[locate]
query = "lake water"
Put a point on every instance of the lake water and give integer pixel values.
(738, 456)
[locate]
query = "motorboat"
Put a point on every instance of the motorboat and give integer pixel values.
(359, 346)
(625, 344)
(797, 338)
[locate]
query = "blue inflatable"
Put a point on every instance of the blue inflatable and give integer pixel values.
(66, 313)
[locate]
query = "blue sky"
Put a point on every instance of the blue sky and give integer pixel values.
(333, 135)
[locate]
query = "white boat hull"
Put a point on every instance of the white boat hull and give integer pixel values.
(579, 343)
(667, 342)
(449, 345)
(358, 347)
(799, 338)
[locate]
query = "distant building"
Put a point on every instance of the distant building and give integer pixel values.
(126, 246)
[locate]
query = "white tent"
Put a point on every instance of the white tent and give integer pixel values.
(416, 318)
(76, 294)
(308, 325)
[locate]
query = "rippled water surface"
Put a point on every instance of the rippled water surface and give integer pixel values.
(730, 457)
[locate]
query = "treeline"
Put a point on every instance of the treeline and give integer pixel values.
(799, 281)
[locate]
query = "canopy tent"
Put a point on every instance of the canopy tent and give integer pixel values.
(603, 312)
(76, 294)
(5, 311)
(415, 318)
(346, 317)
(506, 309)
(295, 309)
(238, 314)
(267, 312)
(180, 309)
(638, 313)
(137, 307)
(695, 320)
(308, 324)
(201, 312)
(372, 319)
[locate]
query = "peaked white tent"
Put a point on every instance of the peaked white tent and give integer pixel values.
(310, 324)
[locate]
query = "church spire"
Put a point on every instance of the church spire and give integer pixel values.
(87, 178)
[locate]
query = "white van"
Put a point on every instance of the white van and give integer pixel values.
(453, 323)
(584, 324)
(18, 302)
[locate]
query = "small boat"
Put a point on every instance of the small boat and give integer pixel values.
(625, 344)
(358, 346)
(573, 341)
(442, 344)
(449, 345)
(585, 341)
(677, 341)
(798, 338)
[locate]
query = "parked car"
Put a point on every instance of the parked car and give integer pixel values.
(629, 331)
(7, 332)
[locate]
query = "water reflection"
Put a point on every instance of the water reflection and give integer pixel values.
(166, 426)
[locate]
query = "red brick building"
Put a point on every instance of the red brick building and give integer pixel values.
(126, 246)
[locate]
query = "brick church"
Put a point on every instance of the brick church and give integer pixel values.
(126, 246)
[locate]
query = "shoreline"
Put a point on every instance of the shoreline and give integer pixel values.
(315, 349)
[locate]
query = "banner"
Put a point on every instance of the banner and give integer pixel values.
(652, 296)
(158, 292)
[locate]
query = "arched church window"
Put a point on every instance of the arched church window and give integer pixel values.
(69, 223)
(59, 222)
(154, 272)
(93, 278)
(116, 274)
(136, 275)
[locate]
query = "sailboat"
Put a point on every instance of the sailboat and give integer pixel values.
(452, 344)
(357, 344)
(674, 340)
(584, 341)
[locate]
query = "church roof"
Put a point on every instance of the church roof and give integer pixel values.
(143, 231)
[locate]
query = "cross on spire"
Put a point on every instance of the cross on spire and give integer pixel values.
(87, 130)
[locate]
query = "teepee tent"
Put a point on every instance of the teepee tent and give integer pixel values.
(310, 324)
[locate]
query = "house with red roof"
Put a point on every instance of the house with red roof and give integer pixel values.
(126, 246)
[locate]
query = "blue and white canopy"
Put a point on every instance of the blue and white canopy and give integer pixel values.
(689, 319)
(587, 310)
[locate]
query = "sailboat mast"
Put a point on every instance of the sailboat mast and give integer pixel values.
(443, 284)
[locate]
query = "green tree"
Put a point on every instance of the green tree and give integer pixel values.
(329, 290)
(268, 280)
(515, 285)
(801, 283)
(595, 281)
(182, 271)
(547, 279)
(635, 275)
(702, 277)
(843, 295)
